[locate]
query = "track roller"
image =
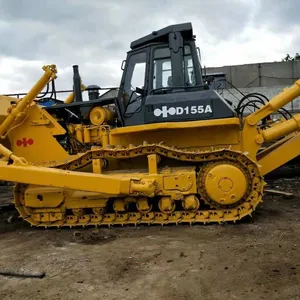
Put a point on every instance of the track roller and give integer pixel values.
(142, 205)
(79, 211)
(99, 210)
(120, 205)
(166, 205)
(190, 203)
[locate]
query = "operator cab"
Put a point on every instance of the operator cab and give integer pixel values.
(162, 81)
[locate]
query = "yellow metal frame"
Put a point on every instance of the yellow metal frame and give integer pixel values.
(280, 155)
(16, 111)
(106, 184)
(208, 135)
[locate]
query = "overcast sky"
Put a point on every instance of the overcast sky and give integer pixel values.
(95, 34)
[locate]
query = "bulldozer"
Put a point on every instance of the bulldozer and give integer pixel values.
(166, 150)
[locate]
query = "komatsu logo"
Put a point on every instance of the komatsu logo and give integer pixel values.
(188, 110)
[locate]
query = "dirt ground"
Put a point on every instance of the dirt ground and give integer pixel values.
(257, 258)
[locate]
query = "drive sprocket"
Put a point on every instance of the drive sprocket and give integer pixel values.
(224, 184)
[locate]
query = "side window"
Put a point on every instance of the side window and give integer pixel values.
(138, 77)
(162, 74)
(136, 72)
(134, 78)
(189, 72)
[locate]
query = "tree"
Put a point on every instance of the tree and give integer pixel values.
(289, 58)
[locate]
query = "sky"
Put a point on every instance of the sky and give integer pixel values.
(96, 34)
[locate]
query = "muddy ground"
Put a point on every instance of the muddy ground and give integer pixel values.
(258, 258)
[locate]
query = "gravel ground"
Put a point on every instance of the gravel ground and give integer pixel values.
(258, 258)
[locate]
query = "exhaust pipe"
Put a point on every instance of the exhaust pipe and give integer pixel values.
(77, 84)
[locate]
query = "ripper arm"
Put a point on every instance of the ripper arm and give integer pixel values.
(280, 100)
(288, 147)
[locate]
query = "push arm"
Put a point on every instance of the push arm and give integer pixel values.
(15, 111)
(116, 185)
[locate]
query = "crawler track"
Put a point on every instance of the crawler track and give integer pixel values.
(207, 213)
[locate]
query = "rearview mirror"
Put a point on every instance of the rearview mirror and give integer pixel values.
(140, 91)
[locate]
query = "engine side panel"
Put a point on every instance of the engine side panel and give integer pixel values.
(179, 107)
(186, 107)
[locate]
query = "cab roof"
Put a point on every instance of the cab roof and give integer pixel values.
(162, 35)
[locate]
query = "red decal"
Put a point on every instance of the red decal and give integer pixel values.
(24, 142)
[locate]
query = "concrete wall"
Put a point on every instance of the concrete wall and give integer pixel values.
(259, 74)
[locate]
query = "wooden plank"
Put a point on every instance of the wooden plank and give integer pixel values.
(279, 193)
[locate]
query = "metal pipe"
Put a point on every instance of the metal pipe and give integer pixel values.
(71, 97)
(63, 91)
(77, 84)
(282, 129)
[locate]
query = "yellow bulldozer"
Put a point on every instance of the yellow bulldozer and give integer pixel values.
(168, 149)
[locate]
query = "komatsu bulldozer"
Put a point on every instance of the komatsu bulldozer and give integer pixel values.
(166, 150)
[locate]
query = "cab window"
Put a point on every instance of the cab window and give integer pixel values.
(136, 72)
(162, 68)
(189, 72)
(162, 75)
(135, 78)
